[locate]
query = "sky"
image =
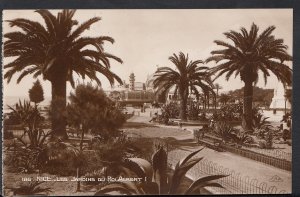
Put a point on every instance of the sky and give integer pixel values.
(145, 39)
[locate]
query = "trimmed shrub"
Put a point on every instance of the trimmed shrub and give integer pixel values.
(262, 144)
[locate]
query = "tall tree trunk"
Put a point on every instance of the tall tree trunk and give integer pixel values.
(248, 95)
(58, 107)
(217, 97)
(78, 170)
(208, 101)
(215, 102)
(183, 105)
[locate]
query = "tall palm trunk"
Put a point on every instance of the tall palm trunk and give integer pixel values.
(183, 105)
(248, 94)
(58, 107)
(78, 170)
(215, 102)
(217, 98)
(208, 101)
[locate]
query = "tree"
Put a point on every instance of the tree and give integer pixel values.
(249, 54)
(224, 98)
(57, 51)
(288, 95)
(186, 78)
(91, 111)
(264, 96)
(36, 93)
(217, 87)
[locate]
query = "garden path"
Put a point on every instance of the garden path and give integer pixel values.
(182, 140)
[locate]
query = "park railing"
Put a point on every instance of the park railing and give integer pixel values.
(267, 159)
(235, 183)
(273, 153)
(274, 158)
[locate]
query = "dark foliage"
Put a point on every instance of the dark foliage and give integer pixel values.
(23, 160)
(224, 98)
(36, 93)
(229, 112)
(172, 110)
(113, 153)
(31, 189)
(193, 112)
(61, 158)
(8, 135)
(242, 138)
(259, 121)
(261, 96)
(91, 111)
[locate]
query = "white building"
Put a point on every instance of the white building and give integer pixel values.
(279, 101)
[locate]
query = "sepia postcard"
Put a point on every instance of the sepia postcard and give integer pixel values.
(147, 101)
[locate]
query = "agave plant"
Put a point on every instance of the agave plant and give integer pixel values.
(30, 118)
(259, 121)
(225, 131)
(242, 138)
(157, 180)
(31, 188)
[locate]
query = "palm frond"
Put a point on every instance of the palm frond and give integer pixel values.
(84, 26)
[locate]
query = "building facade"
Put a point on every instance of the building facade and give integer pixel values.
(134, 93)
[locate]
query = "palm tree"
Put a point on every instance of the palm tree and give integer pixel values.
(224, 98)
(288, 95)
(217, 87)
(57, 51)
(207, 92)
(186, 78)
(246, 56)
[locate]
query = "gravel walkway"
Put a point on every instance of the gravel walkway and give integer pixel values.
(247, 169)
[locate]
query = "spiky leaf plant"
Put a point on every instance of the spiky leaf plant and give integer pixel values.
(30, 189)
(160, 183)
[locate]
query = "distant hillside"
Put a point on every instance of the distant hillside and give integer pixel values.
(259, 95)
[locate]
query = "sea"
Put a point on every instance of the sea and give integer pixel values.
(12, 100)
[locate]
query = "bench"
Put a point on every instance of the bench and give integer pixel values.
(73, 132)
(212, 145)
(194, 123)
(215, 138)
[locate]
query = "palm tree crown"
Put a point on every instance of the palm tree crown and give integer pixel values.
(57, 51)
(186, 78)
(249, 54)
(252, 53)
